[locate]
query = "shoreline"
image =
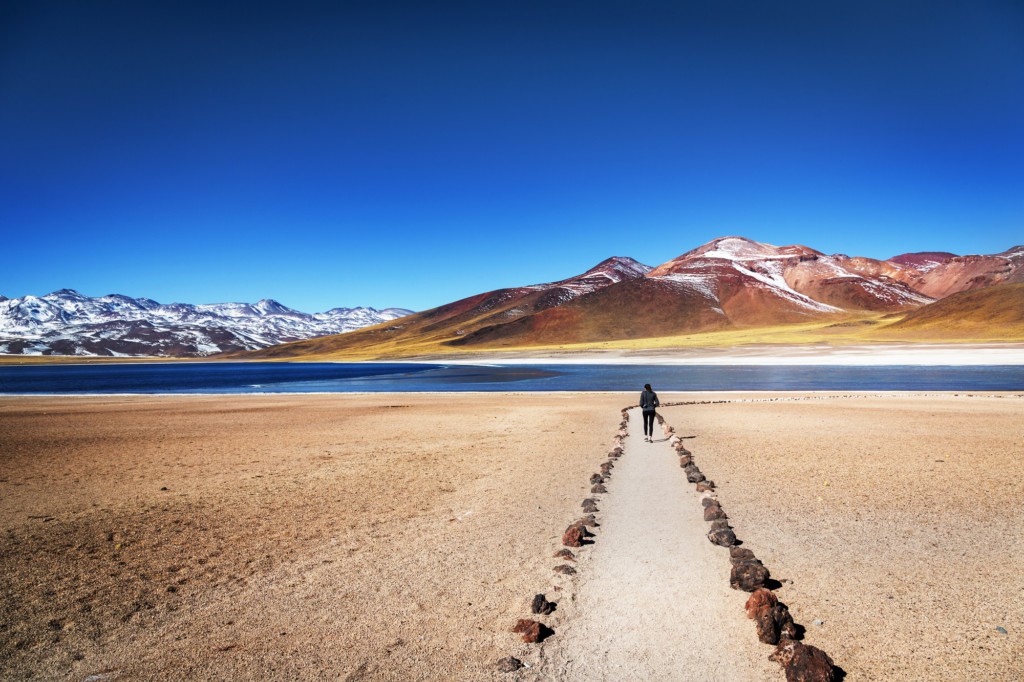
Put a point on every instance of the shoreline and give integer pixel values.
(862, 355)
(857, 355)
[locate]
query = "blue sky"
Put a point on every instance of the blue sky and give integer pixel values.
(408, 154)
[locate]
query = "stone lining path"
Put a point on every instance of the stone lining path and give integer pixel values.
(653, 600)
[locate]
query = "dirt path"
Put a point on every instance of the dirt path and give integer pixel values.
(653, 600)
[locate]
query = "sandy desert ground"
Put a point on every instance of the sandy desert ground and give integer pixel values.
(899, 522)
(400, 536)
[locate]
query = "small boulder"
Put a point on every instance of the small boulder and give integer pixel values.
(762, 598)
(714, 512)
(540, 605)
(599, 488)
(722, 536)
(705, 486)
(573, 536)
(710, 502)
(588, 521)
(596, 478)
(565, 570)
(803, 663)
(532, 631)
(685, 461)
(694, 476)
(589, 506)
(771, 621)
(606, 468)
(565, 554)
(741, 554)
(748, 576)
(509, 664)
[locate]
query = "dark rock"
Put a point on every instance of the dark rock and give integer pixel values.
(709, 502)
(596, 478)
(714, 512)
(705, 486)
(617, 451)
(589, 506)
(740, 554)
(788, 629)
(770, 622)
(588, 520)
(509, 664)
(544, 607)
(803, 663)
(532, 631)
(606, 468)
(599, 488)
(722, 536)
(748, 576)
(761, 599)
(565, 554)
(573, 536)
(720, 524)
(685, 461)
(565, 570)
(694, 476)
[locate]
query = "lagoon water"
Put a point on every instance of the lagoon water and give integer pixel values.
(235, 377)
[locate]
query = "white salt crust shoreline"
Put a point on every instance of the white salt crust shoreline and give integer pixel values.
(853, 356)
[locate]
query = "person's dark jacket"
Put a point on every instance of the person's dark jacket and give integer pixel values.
(649, 401)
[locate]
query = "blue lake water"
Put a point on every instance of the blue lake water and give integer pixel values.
(235, 377)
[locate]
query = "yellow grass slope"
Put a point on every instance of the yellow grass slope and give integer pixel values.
(994, 313)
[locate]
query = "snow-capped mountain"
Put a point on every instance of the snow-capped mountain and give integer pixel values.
(67, 323)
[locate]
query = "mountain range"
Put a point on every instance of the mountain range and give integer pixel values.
(731, 283)
(67, 323)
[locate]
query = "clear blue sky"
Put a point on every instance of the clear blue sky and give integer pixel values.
(412, 153)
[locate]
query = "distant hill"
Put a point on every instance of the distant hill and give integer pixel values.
(992, 313)
(67, 323)
(731, 283)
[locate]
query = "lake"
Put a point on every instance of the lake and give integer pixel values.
(283, 377)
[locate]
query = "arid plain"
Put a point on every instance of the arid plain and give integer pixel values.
(400, 536)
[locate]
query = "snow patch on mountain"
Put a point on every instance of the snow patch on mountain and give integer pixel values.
(775, 281)
(67, 323)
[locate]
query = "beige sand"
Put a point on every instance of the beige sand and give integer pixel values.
(899, 520)
(400, 536)
(313, 537)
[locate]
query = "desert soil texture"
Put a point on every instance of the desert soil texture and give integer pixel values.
(401, 536)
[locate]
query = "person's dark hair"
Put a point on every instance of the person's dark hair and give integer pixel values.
(647, 387)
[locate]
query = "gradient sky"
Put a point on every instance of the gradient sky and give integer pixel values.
(408, 154)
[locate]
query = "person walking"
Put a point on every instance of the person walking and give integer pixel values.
(648, 401)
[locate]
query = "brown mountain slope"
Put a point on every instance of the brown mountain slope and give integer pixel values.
(964, 273)
(452, 321)
(638, 308)
(993, 313)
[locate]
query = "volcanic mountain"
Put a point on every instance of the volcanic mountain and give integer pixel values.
(727, 284)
